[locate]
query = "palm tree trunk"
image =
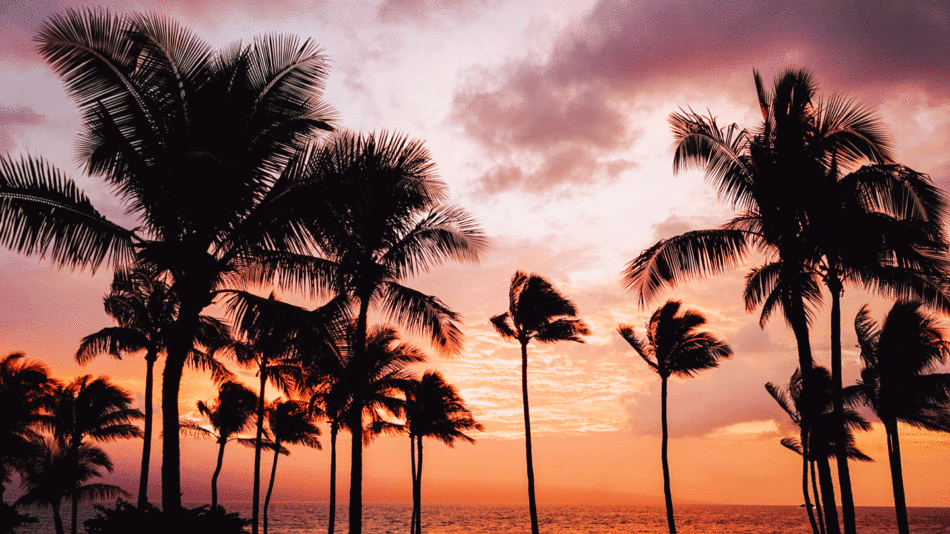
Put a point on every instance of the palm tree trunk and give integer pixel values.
(828, 494)
(814, 488)
(270, 487)
(532, 503)
(256, 493)
(897, 476)
(57, 518)
(412, 462)
(808, 506)
(332, 516)
(147, 437)
(841, 445)
(667, 492)
(356, 425)
(417, 491)
(214, 477)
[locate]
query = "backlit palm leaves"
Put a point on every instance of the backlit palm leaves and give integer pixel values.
(291, 423)
(675, 347)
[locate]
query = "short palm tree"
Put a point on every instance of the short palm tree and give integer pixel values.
(60, 471)
(821, 434)
(381, 218)
(290, 423)
(230, 415)
(95, 409)
(26, 393)
(145, 307)
(898, 381)
(675, 347)
(434, 409)
(193, 141)
(536, 311)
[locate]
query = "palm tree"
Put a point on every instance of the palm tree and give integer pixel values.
(536, 311)
(231, 414)
(193, 140)
(26, 393)
(434, 409)
(341, 385)
(380, 220)
(674, 347)
(290, 423)
(898, 381)
(784, 181)
(820, 445)
(60, 471)
(145, 307)
(95, 409)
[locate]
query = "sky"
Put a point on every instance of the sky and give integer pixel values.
(547, 120)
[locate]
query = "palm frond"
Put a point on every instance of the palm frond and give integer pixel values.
(424, 314)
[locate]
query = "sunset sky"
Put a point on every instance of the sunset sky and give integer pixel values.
(547, 119)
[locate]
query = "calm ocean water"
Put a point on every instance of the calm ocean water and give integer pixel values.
(311, 518)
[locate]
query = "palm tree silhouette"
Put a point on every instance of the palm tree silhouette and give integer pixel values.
(193, 141)
(898, 381)
(145, 307)
(674, 347)
(820, 445)
(60, 471)
(290, 422)
(380, 220)
(95, 409)
(783, 179)
(26, 393)
(341, 385)
(231, 414)
(434, 409)
(536, 311)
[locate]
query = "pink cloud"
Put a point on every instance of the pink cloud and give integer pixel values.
(423, 11)
(11, 120)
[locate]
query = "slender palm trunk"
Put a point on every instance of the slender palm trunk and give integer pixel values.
(799, 323)
(897, 475)
(841, 445)
(217, 471)
(74, 519)
(417, 491)
(412, 462)
(57, 518)
(334, 428)
(814, 488)
(270, 487)
(356, 425)
(808, 506)
(667, 492)
(828, 494)
(147, 437)
(532, 503)
(256, 493)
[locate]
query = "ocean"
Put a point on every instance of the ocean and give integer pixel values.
(311, 518)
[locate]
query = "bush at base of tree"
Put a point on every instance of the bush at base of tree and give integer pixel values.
(10, 518)
(125, 518)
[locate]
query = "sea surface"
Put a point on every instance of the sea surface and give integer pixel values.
(311, 518)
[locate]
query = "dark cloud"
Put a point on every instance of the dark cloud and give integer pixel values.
(577, 94)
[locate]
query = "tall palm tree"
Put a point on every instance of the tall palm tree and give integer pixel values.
(821, 437)
(231, 414)
(536, 311)
(144, 306)
(434, 409)
(898, 381)
(341, 385)
(26, 393)
(290, 423)
(193, 141)
(380, 220)
(94, 409)
(784, 181)
(675, 347)
(60, 471)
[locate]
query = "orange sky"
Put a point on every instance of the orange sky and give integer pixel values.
(548, 122)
